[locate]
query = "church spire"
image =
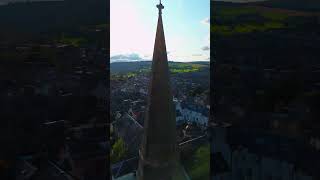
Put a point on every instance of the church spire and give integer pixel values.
(160, 7)
(158, 152)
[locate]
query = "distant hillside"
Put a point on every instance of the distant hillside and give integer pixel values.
(124, 67)
(176, 67)
(303, 5)
(299, 5)
(44, 17)
(246, 18)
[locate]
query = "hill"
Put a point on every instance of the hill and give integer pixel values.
(298, 5)
(144, 66)
(301, 5)
(259, 17)
(51, 16)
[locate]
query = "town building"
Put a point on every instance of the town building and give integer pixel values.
(243, 154)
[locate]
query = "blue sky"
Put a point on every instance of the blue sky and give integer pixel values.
(186, 26)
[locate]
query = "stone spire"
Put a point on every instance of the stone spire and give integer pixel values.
(158, 152)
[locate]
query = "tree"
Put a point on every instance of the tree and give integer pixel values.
(119, 151)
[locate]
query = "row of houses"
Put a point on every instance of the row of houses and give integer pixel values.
(187, 112)
(242, 154)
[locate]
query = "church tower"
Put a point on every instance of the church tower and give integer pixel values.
(158, 151)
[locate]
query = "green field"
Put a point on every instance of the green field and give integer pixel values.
(131, 69)
(185, 67)
(246, 28)
(231, 12)
(241, 20)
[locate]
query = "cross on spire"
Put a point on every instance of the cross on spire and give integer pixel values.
(160, 7)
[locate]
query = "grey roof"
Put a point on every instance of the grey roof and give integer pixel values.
(124, 167)
(200, 109)
(51, 171)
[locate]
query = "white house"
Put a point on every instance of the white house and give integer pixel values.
(191, 113)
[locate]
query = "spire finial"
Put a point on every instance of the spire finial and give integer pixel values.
(160, 7)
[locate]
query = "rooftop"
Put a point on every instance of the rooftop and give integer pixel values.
(179, 175)
(130, 176)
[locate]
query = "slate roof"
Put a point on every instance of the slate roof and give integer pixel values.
(125, 167)
(203, 110)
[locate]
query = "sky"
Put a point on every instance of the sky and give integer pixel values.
(186, 27)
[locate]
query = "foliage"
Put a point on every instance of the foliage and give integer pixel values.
(183, 70)
(74, 41)
(240, 20)
(274, 16)
(246, 28)
(232, 12)
(131, 74)
(119, 151)
(198, 166)
(197, 91)
(184, 67)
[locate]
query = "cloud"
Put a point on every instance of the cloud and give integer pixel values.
(206, 21)
(205, 48)
(147, 56)
(126, 57)
(133, 56)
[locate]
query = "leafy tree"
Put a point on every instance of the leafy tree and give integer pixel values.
(119, 151)
(198, 164)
